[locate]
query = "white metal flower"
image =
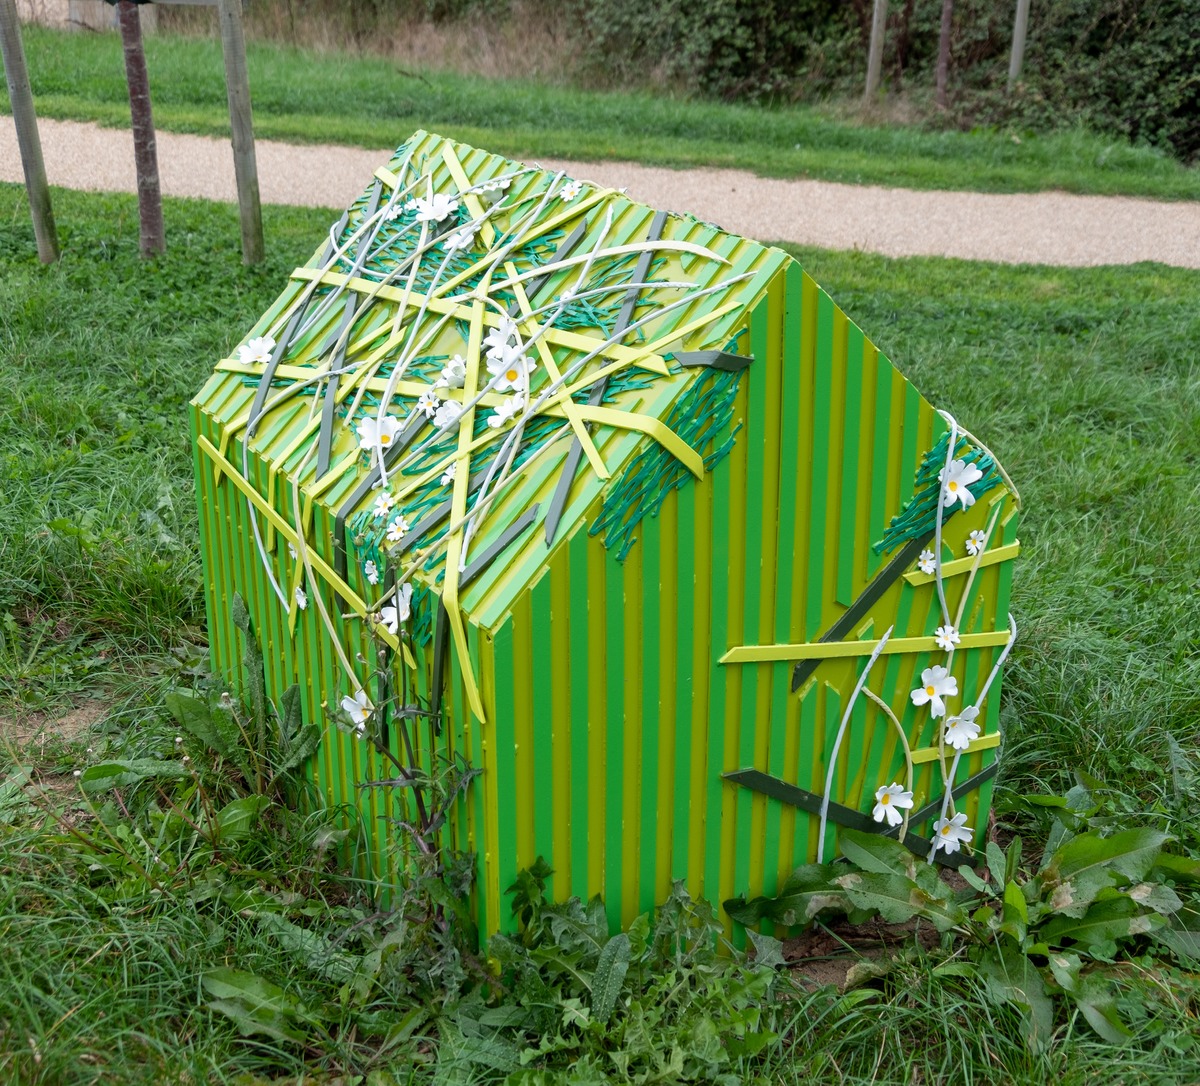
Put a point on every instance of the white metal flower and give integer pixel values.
(460, 239)
(258, 350)
(511, 369)
(450, 474)
(398, 528)
(951, 833)
(371, 572)
(497, 185)
(393, 615)
(454, 373)
(506, 412)
(926, 563)
(435, 209)
(569, 191)
(890, 799)
(383, 505)
(428, 403)
(936, 683)
(376, 434)
(301, 598)
(292, 551)
(498, 338)
(946, 638)
(447, 414)
(976, 541)
(359, 709)
(956, 481)
(961, 730)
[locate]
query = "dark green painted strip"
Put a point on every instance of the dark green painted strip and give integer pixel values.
(822, 397)
(849, 546)
(858, 610)
(912, 441)
(717, 360)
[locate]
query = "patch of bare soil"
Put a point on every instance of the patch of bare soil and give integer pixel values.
(846, 954)
(40, 726)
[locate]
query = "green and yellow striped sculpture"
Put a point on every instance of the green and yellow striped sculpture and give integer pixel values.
(607, 534)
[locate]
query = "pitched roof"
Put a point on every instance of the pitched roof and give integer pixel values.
(460, 281)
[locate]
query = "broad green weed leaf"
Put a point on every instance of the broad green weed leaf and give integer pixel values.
(881, 855)
(120, 774)
(807, 892)
(256, 1005)
(238, 819)
(609, 976)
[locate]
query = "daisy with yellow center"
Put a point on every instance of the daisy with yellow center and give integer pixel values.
(956, 481)
(890, 800)
(936, 683)
(950, 834)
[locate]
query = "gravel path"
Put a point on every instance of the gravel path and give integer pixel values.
(1033, 228)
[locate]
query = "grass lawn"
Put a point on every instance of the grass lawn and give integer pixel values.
(1086, 383)
(309, 97)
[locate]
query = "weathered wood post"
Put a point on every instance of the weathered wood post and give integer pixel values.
(875, 49)
(245, 166)
(25, 119)
(151, 235)
(1018, 45)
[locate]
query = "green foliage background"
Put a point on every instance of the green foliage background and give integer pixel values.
(1128, 67)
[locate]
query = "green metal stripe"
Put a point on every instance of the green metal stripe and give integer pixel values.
(508, 804)
(545, 654)
(881, 467)
(684, 679)
(653, 821)
(615, 738)
(849, 544)
(822, 396)
(722, 482)
(579, 723)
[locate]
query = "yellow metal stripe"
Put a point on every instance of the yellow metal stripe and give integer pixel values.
(930, 754)
(289, 534)
(832, 650)
(963, 565)
(643, 358)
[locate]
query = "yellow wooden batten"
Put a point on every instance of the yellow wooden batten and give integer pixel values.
(348, 595)
(964, 565)
(931, 754)
(833, 650)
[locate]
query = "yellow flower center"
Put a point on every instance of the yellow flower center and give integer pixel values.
(385, 439)
(952, 485)
(886, 798)
(945, 831)
(510, 375)
(930, 691)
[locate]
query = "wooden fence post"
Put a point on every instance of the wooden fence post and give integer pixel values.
(21, 96)
(1018, 44)
(875, 49)
(245, 166)
(151, 235)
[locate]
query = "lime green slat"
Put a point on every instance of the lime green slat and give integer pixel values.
(882, 466)
(684, 679)
(718, 635)
(822, 395)
(883, 750)
(787, 348)
(909, 451)
(545, 654)
(759, 506)
(508, 803)
(579, 722)
(653, 821)
(615, 740)
(849, 545)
